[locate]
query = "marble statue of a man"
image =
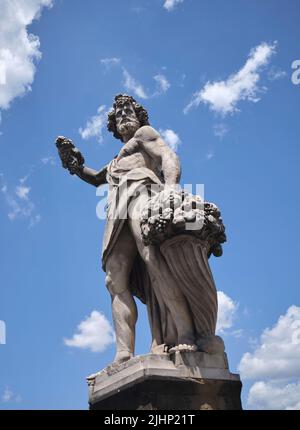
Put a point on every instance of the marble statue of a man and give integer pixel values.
(179, 318)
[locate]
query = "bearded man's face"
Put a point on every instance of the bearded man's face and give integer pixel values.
(126, 119)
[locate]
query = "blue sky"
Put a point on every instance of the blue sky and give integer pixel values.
(216, 78)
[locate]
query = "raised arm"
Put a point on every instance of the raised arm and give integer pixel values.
(151, 141)
(73, 160)
(92, 176)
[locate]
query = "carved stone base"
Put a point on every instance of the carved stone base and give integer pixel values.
(181, 381)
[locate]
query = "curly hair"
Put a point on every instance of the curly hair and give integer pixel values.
(140, 111)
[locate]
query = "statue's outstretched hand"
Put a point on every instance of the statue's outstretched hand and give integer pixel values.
(70, 156)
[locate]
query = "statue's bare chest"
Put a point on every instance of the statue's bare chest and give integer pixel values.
(137, 159)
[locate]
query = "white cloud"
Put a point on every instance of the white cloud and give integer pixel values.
(227, 309)
(277, 356)
(19, 50)
(171, 138)
(237, 333)
(108, 63)
(220, 130)
(210, 155)
(95, 125)
(274, 395)
(182, 80)
(18, 210)
(94, 333)
(24, 179)
(131, 84)
(22, 191)
(170, 4)
(2, 74)
(35, 219)
(2, 333)
(223, 96)
(48, 160)
(275, 73)
(162, 84)
(18, 202)
(7, 396)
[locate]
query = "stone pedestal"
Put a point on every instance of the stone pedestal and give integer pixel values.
(180, 381)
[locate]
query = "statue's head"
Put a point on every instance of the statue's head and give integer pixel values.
(126, 117)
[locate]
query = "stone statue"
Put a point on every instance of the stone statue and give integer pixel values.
(150, 253)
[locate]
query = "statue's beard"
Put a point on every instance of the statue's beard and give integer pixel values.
(129, 127)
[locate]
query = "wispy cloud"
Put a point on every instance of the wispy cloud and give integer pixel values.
(182, 80)
(9, 397)
(22, 191)
(18, 201)
(223, 96)
(108, 63)
(220, 130)
(171, 138)
(2, 333)
(237, 333)
(170, 4)
(19, 50)
(35, 219)
(131, 84)
(162, 84)
(48, 160)
(227, 309)
(275, 73)
(94, 333)
(210, 154)
(95, 126)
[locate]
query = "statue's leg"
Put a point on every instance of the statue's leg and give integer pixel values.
(124, 311)
(164, 284)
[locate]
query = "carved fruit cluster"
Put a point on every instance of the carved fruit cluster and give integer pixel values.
(173, 212)
(70, 156)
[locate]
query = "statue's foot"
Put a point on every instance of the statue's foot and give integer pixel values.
(122, 356)
(160, 349)
(183, 347)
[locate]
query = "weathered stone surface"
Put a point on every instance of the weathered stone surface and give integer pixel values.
(182, 381)
(157, 242)
(162, 234)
